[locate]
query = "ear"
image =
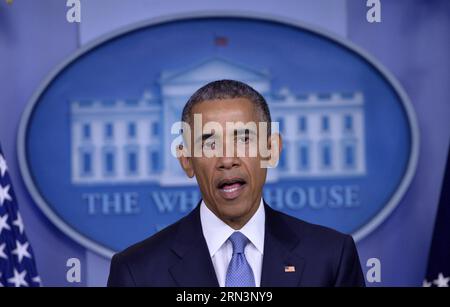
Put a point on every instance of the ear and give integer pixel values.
(185, 160)
(275, 145)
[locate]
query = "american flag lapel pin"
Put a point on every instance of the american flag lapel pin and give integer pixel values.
(289, 269)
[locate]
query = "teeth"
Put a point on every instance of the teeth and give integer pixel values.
(230, 190)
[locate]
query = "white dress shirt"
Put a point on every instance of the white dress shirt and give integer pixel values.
(216, 234)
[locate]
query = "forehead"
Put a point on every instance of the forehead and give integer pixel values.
(227, 110)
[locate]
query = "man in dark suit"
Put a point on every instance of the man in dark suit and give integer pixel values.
(233, 238)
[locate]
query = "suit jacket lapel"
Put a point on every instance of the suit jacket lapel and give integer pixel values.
(282, 266)
(194, 267)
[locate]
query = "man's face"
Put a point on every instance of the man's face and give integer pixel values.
(231, 186)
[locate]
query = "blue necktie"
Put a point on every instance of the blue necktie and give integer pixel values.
(239, 273)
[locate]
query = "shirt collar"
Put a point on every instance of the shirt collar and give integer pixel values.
(216, 232)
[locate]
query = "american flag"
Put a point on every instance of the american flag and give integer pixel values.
(438, 273)
(17, 266)
(221, 41)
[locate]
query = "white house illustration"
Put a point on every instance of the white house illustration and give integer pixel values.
(122, 141)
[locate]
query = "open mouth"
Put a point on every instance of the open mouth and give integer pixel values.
(231, 188)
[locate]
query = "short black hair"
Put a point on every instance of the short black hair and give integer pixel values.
(228, 89)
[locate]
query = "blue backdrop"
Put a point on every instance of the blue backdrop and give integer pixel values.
(34, 41)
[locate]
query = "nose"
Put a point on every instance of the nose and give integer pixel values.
(226, 163)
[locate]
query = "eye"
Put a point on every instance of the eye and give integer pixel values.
(243, 139)
(209, 144)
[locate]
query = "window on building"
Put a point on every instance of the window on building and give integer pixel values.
(349, 155)
(109, 131)
(155, 129)
(154, 161)
(325, 123)
(282, 163)
(348, 123)
(132, 161)
(131, 130)
(326, 155)
(302, 124)
(304, 156)
(86, 131)
(109, 162)
(86, 163)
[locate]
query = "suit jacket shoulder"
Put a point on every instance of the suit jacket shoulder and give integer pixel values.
(134, 265)
(330, 257)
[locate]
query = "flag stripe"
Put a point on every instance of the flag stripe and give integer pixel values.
(17, 265)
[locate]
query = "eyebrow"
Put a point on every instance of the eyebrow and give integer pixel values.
(237, 132)
(204, 137)
(244, 131)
